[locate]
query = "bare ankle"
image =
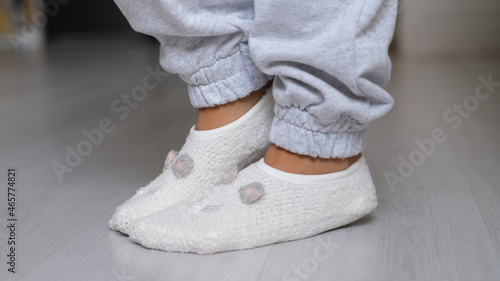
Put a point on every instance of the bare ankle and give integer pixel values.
(290, 162)
(214, 117)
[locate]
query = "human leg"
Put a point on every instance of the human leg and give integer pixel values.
(329, 59)
(207, 45)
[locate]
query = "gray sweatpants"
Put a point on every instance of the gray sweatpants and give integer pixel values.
(328, 57)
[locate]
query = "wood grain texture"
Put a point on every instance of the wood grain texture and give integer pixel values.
(441, 223)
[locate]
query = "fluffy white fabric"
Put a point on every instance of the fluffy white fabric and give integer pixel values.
(261, 207)
(207, 158)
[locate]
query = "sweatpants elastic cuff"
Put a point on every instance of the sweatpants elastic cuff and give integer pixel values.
(227, 80)
(317, 144)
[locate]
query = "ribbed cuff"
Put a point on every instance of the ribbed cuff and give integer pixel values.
(229, 79)
(304, 141)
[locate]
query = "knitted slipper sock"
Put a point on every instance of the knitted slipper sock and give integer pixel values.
(261, 207)
(207, 158)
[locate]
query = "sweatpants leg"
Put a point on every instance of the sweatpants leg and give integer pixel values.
(330, 61)
(204, 41)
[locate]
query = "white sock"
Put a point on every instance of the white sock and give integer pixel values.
(261, 207)
(207, 158)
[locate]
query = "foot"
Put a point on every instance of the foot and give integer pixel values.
(287, 161)
(209, 157)
(262, 206)
(210, 118)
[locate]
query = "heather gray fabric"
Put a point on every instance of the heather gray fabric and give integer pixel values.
(328, 57)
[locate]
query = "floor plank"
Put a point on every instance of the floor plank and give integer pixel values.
(440, 223)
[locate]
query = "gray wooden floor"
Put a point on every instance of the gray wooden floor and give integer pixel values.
(439, 223)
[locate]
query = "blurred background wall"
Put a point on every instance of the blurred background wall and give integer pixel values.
(444, 27)
(425, 27)
(86, 17)
(32, 24)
